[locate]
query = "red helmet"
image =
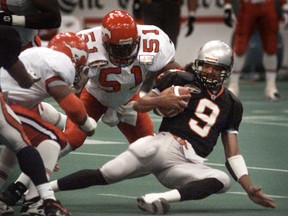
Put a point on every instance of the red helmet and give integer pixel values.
(72, 45)
(120, 37)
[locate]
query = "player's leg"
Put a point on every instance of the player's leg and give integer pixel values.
(188, 180)
(15, 139)
(244, 29)
(268, 27)
(128, 164)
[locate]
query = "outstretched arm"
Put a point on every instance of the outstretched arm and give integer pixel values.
(237, 167)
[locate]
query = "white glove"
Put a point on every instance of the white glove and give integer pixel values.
(89, 126)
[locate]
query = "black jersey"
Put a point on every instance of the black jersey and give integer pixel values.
(206, 116)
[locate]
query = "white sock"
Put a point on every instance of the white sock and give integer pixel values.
(270, 65)
(54, 185)
(49, 151)
(172, 196)
(45, 191)
(236, 74)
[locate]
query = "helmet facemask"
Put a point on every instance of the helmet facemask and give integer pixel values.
(211, 80)
(122, 54)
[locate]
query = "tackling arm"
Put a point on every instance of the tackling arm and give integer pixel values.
(73, 107)
(237, 167)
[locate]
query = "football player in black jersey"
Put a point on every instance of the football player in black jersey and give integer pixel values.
(177, 153)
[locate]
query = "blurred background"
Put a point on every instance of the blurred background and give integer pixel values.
(209, 25)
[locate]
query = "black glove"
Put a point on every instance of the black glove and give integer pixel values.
(190, 25)
(228, 15)
(5, 18)
(137, 13)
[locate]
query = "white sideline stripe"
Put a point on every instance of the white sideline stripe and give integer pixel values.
(237, 193)
(253, 168)
(212, 164)
(272, 196)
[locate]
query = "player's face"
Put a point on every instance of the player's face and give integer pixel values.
(211, 72)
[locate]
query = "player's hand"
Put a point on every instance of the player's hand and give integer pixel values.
(285, 15)
(5, 18)
(137, 12)
(256, 195)
(190, 25)
(228, 18)
(171, 101)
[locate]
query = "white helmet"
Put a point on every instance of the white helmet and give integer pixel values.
(216, 53)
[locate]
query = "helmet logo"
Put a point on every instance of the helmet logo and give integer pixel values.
(211, 59)
(77, 54)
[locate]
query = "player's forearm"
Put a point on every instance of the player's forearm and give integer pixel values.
(146, 104)
(246, 184)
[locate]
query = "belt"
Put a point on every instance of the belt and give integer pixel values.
(180, 141)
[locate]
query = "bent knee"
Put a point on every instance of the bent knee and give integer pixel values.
(224, 179)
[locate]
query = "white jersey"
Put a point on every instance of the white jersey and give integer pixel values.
(21, 8)
(40, 62)
(114, 86)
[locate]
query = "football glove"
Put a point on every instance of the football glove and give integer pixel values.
(228, 19)
(190, 25)
(285, 15)
(5, 18)
(137, 13)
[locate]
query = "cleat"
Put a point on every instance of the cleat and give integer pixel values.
(13, 193)
(32, 207)
(272, 95)
(54, 208)
(5, 210)
(158, 206)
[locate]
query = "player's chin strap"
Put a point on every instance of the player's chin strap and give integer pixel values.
(236, 166)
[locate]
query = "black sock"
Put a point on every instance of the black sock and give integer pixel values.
(200, 189)
(31, 164)
(81, 179)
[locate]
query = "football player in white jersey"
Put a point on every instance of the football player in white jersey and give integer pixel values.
(27, 16)
(121, 54)
(57, 66)
(12, 133)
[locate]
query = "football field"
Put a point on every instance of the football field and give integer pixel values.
(263, 141)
